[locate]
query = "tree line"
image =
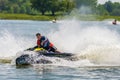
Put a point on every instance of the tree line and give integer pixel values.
(54, 6)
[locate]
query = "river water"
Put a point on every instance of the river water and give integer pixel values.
(96, 44)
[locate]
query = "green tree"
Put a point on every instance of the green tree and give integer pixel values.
(19, 6)
(16, 9)
(53, 6)
(41, 5)
(3, 5)
(116, 9)
(90, 3)
(116, 12)
(11, 10)
(28, 7)
(28, 10)
(116, 5)
(13, 1)
(86, 6)
(108, 6)
(23, 9)
(100, 10)
(67, 5)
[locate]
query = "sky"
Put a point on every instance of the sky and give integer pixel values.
(103, 1)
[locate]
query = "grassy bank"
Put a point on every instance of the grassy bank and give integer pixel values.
(92, 17)
(25, 17)
(48, 17)
(108, 17)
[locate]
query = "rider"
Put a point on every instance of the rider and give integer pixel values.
(44, 43)
(114, 22)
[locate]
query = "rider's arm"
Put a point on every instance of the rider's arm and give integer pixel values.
(31, 49)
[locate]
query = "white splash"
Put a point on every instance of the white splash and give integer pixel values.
(11, 44)
(94, 43)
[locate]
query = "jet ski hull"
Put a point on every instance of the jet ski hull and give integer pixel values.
(26, 59)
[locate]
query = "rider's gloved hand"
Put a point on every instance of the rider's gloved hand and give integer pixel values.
(30, 49)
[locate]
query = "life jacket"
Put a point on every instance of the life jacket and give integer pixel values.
(38, 42)
(51, 45)
(44, 42)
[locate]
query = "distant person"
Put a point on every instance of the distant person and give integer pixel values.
(44, 43)
(54, 21)
(114, 22)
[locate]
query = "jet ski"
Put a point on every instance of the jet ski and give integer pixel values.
(38, 57)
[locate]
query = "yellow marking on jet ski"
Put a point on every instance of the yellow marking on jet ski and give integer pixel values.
(39, 49)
